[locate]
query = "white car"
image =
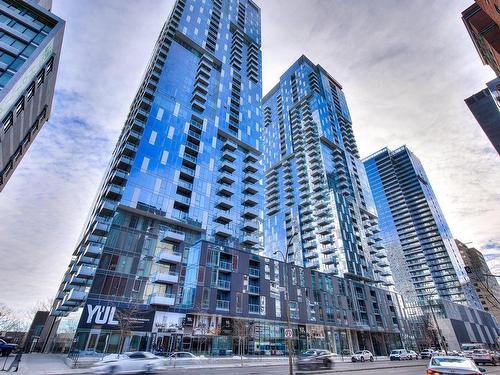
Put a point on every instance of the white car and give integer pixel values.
(184, 357)
(361, 356)
(413, 354)
(399, 355)
(453, 365)
(129, 363)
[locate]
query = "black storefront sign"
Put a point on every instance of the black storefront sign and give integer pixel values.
(106, 315)
(302, 332)
(226, 327)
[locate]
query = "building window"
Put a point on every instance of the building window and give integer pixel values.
(19, 106)
(7, 122)
(50, 65)
(39, 78)
(30, 92)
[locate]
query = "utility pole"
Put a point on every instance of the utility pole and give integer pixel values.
(287, 301)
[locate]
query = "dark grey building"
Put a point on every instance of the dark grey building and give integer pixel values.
(30, 47)
(485, 106)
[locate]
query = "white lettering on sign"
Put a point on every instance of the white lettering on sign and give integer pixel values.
(101, 314)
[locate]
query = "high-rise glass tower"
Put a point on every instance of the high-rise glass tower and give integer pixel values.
(30, 47)
(186, 166)
(319, 208)
(426, 263)
(426, 259)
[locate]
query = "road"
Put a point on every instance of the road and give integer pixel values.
(404, 368)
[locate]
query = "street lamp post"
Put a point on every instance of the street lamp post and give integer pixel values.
(289, 340)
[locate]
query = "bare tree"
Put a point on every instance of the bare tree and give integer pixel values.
(127, 321)
(240, 329)
(9, 321)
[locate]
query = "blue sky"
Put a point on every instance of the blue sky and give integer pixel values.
(405, 70)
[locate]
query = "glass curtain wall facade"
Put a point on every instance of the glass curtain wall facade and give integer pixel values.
(187, 166)
(428, 269)
(30, 47)
(485, 106)
(319, 209)
(425, 256)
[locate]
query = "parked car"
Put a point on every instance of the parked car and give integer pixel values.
(413, 354)
(361, 356)
(453, 365)
(129, 363)
(399, 355)
(481, 356)
(313, 359)
(6, 348)
(184, 357)
(426, 353)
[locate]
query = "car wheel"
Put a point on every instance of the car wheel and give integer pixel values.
(327, 364)
(149, 369)
(362, 359)
(371, 359)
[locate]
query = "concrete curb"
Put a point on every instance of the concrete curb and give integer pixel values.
(357, 369)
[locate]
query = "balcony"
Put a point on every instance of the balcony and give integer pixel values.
(165, 278)
(229, 145)
(249, 200)
(119, 176)
(224, 203)
(223, 231)
(254, 272)
(173, 235)
(124, 162)
(229, 155)
(250, 240)
(92, 250)
(227, 167)
(100, 229)
(226, 266)
(249, 177)
(76, 295)
(251, 167)
(250, 189)
(330, 259)
(76, 281)
(168, 257)
(222, 305)
(253, 309)
(250, 225)
(226, 190)
(107, 207)
(224, 284)
(161, 300)
(253, 289)
(113, 191)
(250, 213)
(226, 178)
(85, 272)
(223, 217)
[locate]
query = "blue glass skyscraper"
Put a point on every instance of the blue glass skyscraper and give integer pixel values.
(319, 208)
(186, 167)
(428, 269)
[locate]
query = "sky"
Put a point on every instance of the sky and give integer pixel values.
(406, 68)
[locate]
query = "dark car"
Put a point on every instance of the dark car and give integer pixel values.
(313, 359)
(6, 348)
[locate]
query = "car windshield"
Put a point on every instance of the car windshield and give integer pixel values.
(309, 353)
(395, 352)
(359, 352)
(452, 362)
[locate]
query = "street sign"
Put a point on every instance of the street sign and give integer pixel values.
(288, 333)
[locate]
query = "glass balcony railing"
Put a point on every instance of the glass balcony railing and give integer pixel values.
(222, 305)
(224, 284)
(253, 309)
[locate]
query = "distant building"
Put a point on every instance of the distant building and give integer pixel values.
(30, 47)
(32, 340)
(486, 285)
(482, 22)
(485, 106)
(426, 263)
